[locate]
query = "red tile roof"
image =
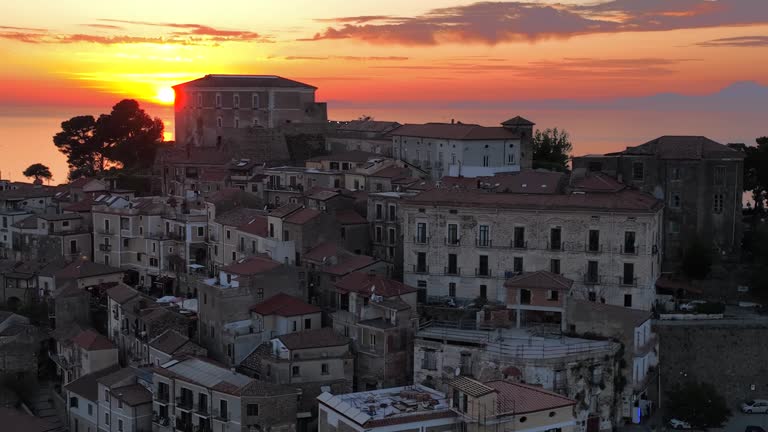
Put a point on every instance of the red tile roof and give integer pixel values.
(256, 226)
(268, 81)
(302, 216)
(214, 175)
(285, 210)
(351, 264)
(83, 205)
(90, 340)
(365, 285)
(539, 279)
(79, 183)
(323, 250)
(392, 171)
(458, 131)
(624, 200)
(349, 217)
(252, 265)
(82, 268)
(526, 181)
(517, 398)
(518, 121)
(284, 305)
(357, 156)
(318, 338)
(598, 182)
(684, 147)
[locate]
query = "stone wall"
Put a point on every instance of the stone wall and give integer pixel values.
(731, 356)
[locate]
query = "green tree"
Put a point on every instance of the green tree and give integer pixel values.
(38, 171)
(80, 144)
(699, 404)
(756, 171)
(127, 138)
(551, 149)
(756, 245)
(697, 260)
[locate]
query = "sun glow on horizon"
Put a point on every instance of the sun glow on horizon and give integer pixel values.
(166, 96)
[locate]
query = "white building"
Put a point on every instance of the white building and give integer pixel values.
(467, 150)
(465, 243)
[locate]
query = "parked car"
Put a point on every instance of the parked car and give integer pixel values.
(755, 406)
(679, 424)
(691, 305)
(754, 429)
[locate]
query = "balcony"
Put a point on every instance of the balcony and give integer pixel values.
(203, 428)
(421, 269)
(452, 241)
(105, 247)
(483, 243)
(518, 244)
(105, 231)
(483, 272)
(449, 271)
(627, 281)
(202, 410)
(183, 426)
(222, 416)
(162, 397)
(555, 247)
(160, 421)
(421, 239)
(593, 248)
(184, 404)
(591, 279)
(630, 249)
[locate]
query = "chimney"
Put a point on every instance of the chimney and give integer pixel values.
(453, 121)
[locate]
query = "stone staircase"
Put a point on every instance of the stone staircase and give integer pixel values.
(43, 405)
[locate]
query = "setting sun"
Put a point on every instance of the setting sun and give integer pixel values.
(166, 95)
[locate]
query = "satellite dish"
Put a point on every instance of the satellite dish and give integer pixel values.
(457, 372)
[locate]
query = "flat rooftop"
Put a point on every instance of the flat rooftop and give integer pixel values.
(519, 343)
(389, 406)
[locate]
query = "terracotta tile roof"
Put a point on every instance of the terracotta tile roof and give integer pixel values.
(285, 210)
(29, 222)
(518, 121)
(350, 217)
(284, 305)
(539, 280)
(302, 216)
(221, 81)
(238, 216)
(356, 156)
(392, 171)
(252, 265)
(132, 395)
(368, 126)
(87, 386)
(117, 376)
(624, 200)
(84, 268)
(83, 205)
(60, 216)
(322, 194)
(318, 338)
(517, 398)
(526, 181)
(598, 182)
(214, 175)
(366, 284)
(259, 388)
(457, 131)
(121, 293)
(256, 226)
(90, 340)
(323, 250)
(169, 341)
(409, 419)
(14, 420)
(684, 147)
(356, 262)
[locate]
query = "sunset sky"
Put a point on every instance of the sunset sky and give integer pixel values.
(403, 60)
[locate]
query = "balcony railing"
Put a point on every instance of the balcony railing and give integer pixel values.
(483, 242)
(421, 239)
(161, 421)
(222, 416)
(162, 397)
(429, 364)
(591, 279)
(183, 426)
(455, 271)
(593, 248)
(105, 231)
(420, 269)
(627, 249)
(202, 409)
(105, 247)
(203, 428)
(483, 272)
(518, 244)
(452, 241)
(627, 281)
(556, 247)
(184, 403)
